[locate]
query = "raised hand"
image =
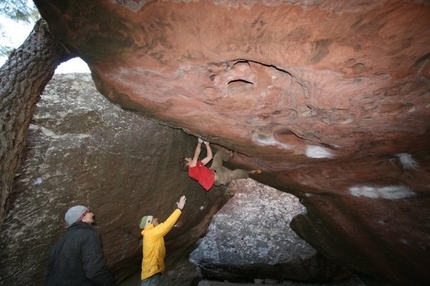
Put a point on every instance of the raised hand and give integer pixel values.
(181, 202)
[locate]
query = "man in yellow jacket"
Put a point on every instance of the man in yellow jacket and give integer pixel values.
(154, 250)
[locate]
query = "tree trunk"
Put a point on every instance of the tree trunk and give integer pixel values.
(23, 78)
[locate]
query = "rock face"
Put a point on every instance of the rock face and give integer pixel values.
(250, 238)
(330, 98)
(84, 150)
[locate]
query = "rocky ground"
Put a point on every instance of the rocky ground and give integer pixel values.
(352, 282)
(188, 274)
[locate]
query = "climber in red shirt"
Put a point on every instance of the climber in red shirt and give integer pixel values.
(217, 174)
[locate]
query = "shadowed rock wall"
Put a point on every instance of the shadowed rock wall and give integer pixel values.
(82, 149)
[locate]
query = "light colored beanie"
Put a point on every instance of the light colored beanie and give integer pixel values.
(74, 214)
(145, 221)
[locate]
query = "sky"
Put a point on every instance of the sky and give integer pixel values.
(13, 34)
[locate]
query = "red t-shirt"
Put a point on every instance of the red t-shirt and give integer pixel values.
(203, 175)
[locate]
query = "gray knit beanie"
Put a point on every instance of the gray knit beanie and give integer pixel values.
(74, 214)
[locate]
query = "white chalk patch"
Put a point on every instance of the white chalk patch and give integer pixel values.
(38, 181)
(317, 152)
(369, 192)
(270, 141)
(395, 192)
(407, 161)
(389, 192)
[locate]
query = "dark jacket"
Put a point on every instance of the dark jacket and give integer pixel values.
(77, 259)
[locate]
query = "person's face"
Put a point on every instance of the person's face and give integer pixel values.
(88, 218)
(187, 161)
(155, 221)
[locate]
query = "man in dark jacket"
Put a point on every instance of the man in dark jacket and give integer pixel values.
(77, 258)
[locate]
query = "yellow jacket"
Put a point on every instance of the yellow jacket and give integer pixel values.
(154, 250)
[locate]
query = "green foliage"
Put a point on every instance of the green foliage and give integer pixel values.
(18, 11)
(4, 50)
